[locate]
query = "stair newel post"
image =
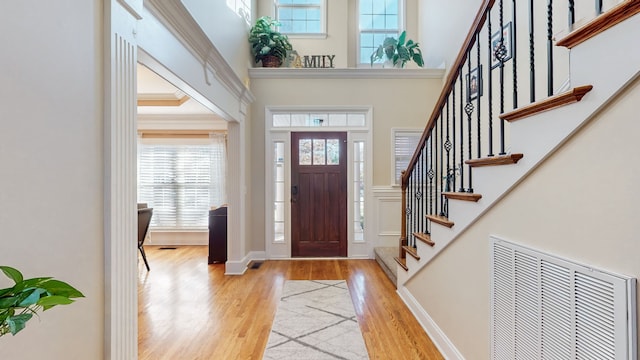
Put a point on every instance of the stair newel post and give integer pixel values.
(461, 189)
(532, 67)
(468, 108)
(490, 84)
(598, 7)
(550, 48)
(403, 226)
(500, 55)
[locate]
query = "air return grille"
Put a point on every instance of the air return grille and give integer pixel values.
(544, 307)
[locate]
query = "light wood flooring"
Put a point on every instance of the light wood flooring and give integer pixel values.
(190, 310)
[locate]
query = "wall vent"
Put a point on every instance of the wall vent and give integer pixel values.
(545, 307)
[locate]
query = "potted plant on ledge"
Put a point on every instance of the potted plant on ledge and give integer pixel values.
(26, 297)
(267, 44)
(398, 52)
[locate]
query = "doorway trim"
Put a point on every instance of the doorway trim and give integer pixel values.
(281, 248)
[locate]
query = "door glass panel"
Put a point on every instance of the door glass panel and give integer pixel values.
(278, 201)
(319, 152)
(333, 152)
(304, 151)
(358, 191)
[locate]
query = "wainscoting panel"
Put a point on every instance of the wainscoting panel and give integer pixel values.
(387, 220)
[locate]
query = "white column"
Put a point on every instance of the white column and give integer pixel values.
(120, 223)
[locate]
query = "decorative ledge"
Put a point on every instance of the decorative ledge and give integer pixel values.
(601, 23)
(440, 220)
(462, 196)
(569, 97)
(347, 73)
(425, 238)
(412, 251)
(495, 160)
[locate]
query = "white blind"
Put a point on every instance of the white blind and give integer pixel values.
(404, 145)
(181, 182)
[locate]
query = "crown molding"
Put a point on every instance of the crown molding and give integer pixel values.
(177, 19)
(346, 73)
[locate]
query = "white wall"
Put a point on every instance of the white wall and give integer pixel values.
(580, 204)
(51, 187)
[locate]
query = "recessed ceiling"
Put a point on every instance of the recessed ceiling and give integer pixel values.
(154, 90)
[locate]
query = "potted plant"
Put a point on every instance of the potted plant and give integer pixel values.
(398, 52)
(25, 298)
(267, 44)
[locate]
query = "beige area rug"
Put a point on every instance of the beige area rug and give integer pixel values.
(315, 320)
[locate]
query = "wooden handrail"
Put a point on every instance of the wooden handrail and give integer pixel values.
(468, 43)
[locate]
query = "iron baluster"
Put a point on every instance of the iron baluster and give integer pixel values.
(461, 137)
(532, 68)
(501, 53)
(490, 85)
(435, 146)
(479, 92)
(441, 174)
(453, 132)
(598, 7)
(550, 48)
(514, 55)
(469, 110)
(572, 14)
(430, 175)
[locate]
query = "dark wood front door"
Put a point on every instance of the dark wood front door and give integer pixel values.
(318, 194)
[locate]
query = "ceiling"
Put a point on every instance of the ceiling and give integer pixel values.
(165, 98)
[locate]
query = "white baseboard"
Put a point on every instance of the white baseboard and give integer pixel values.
(177, 238)
(439, 338)
(240, 267)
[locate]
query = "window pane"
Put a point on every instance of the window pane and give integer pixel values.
(319, 119)
(319, 152)
(282, 120)
(304, 149)
(333, 152)
(337, 119)
(356, 120)
(299, 119)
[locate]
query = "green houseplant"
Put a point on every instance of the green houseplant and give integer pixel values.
(398, 52)
(26, 297)
(267, 44)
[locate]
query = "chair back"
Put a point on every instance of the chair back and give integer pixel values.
(144, 219)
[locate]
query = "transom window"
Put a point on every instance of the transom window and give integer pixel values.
(378, 20)
(300, 16)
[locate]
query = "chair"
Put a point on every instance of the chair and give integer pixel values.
(144, 219)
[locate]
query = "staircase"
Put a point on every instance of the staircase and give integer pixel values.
(462, 165)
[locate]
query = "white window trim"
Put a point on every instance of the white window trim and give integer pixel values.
(355, 249)
(394, 133)
(402, 20)
(323, 23)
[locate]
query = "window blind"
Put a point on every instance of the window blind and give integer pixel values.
(181, 183)
(405, 143)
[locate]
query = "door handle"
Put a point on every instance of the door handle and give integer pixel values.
(294, 193)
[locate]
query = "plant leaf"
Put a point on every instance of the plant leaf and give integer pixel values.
(12, 273)
(57, 287)
(31, 298)
(8, 302)
(417, 57)
(401, 38)
(51, 301)
(18, 322)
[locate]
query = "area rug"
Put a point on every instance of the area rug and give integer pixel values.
(315, 320)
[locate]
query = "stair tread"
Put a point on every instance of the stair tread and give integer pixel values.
(565, 98)
(425, 238)
(462, 196)
(508, 159)
(442, 220)
(412, 251)
(402, 263)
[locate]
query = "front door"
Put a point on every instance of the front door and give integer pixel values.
(318, 194)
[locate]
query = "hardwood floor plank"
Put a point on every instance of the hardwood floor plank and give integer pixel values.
(191, 310)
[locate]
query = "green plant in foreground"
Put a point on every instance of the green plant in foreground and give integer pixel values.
(19, 303)
(398, 51)
(265, 40)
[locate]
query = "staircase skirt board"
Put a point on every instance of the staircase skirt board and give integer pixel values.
(569, 97)
(495, 160)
